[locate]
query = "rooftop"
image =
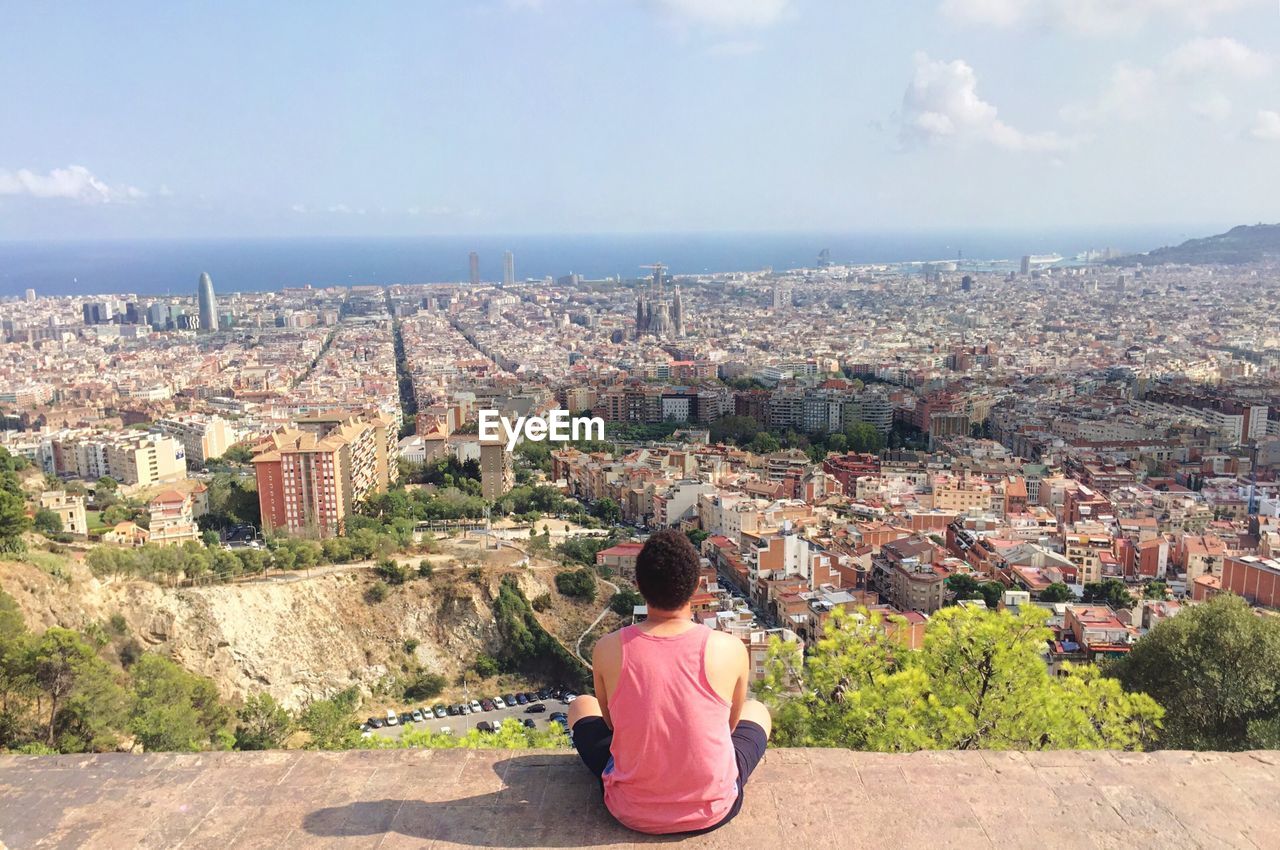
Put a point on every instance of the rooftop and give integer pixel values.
(531, 799)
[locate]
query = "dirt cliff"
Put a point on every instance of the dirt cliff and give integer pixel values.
(295, 639)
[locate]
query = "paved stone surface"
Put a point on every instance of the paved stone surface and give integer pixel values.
(531, 799)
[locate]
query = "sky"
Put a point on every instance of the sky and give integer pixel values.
(195, 119)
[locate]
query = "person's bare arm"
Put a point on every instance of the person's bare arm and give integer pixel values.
(604, 658)
(728, 672)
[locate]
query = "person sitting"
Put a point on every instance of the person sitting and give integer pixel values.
(670, 731)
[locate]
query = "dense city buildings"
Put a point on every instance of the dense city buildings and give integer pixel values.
(853, 437)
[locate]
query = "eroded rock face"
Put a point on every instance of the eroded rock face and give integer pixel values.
(296, 640)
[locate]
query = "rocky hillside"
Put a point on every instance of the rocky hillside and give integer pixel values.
(1244, 244)
(294, 639)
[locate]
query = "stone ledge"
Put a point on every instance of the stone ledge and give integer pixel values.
(533, 799)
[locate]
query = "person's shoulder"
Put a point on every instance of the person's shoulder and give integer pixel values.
(607, 646)
(725, 644)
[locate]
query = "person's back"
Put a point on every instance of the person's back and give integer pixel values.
(672, 766)
(670, 732)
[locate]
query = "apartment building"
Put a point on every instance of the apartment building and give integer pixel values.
(129, 457)
(310, 478)
(172, 519)
(497, 470)
(203, 437)
(1256, 579)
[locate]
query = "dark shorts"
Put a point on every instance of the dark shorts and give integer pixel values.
(592, 738)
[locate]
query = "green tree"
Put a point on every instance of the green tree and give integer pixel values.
(979, 683)
(13, 522)
(330, 723)
(1157, 590)
(764, 443)
(262, 723)
(82, 703)
(624, 601)
(174, 709)
(486, 666)
(696, 537)
(391, 572)
(424, 686)
(47, 522)
(1056, 592)
(606, 510)
(17, 683)
(1109, 592)
(376, 593)
(580, 584)
(965, 586)
(1216, 668)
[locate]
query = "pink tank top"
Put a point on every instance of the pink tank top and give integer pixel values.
(672, 767)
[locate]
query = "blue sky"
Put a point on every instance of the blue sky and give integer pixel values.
(548, 116)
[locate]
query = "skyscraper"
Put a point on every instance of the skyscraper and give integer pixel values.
(508, 269)
(475, 269)
(208, 304)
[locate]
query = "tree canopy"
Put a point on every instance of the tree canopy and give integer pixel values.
(1216, 668)
(979, 682)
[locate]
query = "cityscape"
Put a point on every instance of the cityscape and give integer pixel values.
(552, 423)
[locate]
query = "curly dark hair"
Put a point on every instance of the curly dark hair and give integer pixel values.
(667, 570)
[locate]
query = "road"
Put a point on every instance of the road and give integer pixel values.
(577, 648)
(463, 724)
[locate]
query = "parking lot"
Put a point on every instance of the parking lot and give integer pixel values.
(462, 724)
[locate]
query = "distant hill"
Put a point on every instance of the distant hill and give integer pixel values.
(1239, 245)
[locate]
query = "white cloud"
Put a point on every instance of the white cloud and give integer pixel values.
(1092, 17)
(1266, 127)
(75, 183)
(1180, 82)
(1226, 56)
(1215, 107)
(942, 104)
(1130, 94)
(723, 13)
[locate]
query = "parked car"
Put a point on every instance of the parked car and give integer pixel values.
(531, 696)
(484, 726)
(392, 720)
(365, 728)
(536, 708)
(439, 711)
(509, 700)
(416, 716)
(562, 721)
(475, 707)
(529, 724)
(544, 693)
(407, 717)
(559, 715)
(377, 722)
(445, 730)
(498, 702)
(522, 699)
(453, 710)
(486, 704)
(568, 698)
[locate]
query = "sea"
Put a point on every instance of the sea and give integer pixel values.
(157, 267)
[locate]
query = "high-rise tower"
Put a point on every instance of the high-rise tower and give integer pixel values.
(208, 304)
(508, 269)
(475, 269)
